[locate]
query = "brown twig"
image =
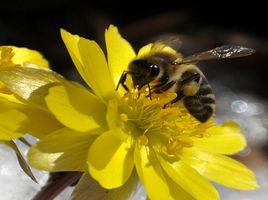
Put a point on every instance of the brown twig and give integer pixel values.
(56, 185)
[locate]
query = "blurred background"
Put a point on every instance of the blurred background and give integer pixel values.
(239, 84)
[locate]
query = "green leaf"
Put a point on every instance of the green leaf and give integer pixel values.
(23, 164)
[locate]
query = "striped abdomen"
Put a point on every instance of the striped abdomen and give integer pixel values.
(202, 104)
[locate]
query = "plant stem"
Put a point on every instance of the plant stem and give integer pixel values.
(56, 184)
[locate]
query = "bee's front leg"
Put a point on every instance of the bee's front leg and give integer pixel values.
(122, 81)
(150, 92)
(162, 88)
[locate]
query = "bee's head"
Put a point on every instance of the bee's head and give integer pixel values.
(143, 72)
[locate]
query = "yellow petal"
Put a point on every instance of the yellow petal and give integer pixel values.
(95, 67)
(145, 50)
(11, 98)
(225, 139)
(4, 89)
(71, 43)
(189, 179)
(90, 63)
(114, 121)
(63, 150)
(176, 192)
(76, 107)
(24, 56)
(40, 122)
(119, 52)
(150, 173)
(155, 48)
(11, 123)
(220, 169)
(29, 83)
(110, 161)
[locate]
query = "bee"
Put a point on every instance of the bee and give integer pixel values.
(164, 71)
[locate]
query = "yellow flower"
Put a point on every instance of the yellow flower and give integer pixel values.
(18, 56)
(113, 135)
(16, 116)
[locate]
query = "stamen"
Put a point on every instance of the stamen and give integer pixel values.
(143, 140)
(123, 117)
(185, 142)
(173, 127)
(173, 147)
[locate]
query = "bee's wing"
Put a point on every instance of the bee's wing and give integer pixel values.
(23, 81)
(222, 52)
(172, 41)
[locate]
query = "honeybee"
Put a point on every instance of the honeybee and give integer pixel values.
(164, 71)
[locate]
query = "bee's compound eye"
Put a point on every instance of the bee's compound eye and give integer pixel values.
(154, 70)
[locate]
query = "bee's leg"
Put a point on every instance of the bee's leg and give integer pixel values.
(179, 96)
(193, 77)
(122, 81)
(181, 93)
(150, 92)
(162, 88)
(163, 81)
(191, 88)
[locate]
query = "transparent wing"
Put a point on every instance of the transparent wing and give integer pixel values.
(170, 40)
(222, 52)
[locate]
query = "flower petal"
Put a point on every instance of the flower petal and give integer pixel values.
(110, 160)
(71, 43)
(224, 139)
(76, 107)
(28, 82)
(220, 169)
(11, 123)
(88, 188)
(176, 192)
(114, 121)
(145, 50)
(119, 52)
(155, 48)
(150, 173)
(189, 179)
(40, 122)
(62, 150)
(11, 98)
(95, 67)
(25, 56)
(90, 63)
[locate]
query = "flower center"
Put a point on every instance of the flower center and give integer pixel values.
(6, 56)
(170, 129)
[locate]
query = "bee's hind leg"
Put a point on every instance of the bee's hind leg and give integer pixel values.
(179, 96)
